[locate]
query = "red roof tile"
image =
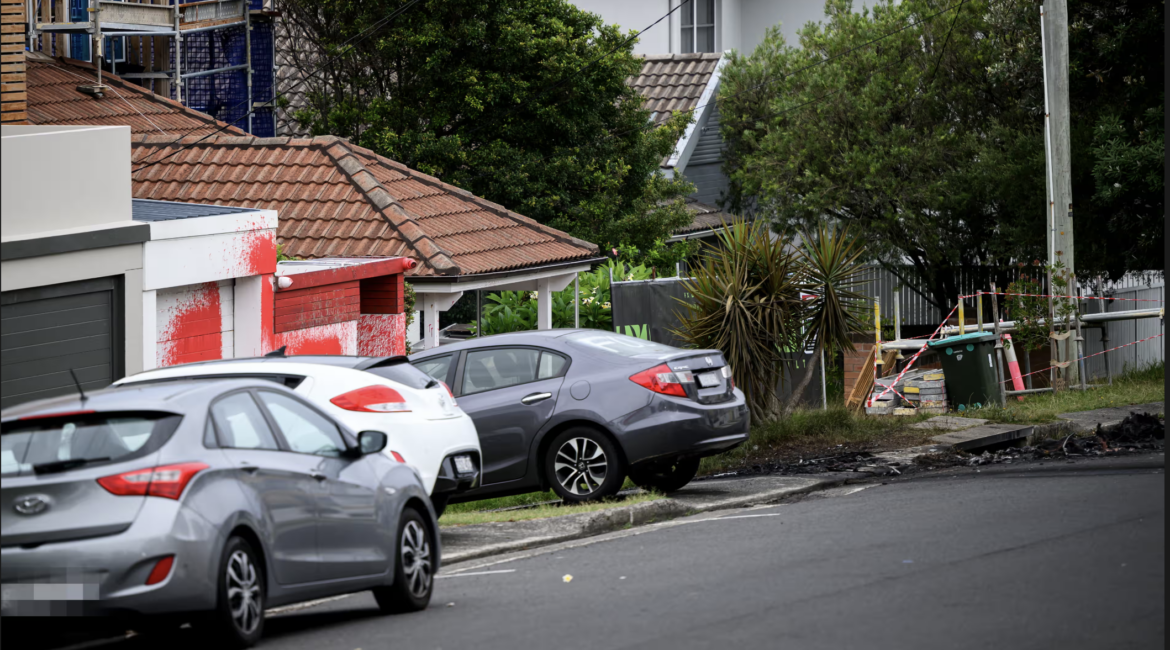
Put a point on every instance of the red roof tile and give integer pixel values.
(53, 98)
(335, 199)
(673, 82)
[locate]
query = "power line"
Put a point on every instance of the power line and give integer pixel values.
(343, 50)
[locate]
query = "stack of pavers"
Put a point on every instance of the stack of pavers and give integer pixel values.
(928, 392)
(924, 389)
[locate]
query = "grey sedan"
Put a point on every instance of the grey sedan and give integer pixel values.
(203, 501)
(579, 410)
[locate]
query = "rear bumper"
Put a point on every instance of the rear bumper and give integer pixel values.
(450, 482)
(106, 576)
(670, 427)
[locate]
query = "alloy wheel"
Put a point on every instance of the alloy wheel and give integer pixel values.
(580, 466)
(243, 591)
(416, 559)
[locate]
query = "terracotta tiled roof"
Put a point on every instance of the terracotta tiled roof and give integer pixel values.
(673, 82)
(335, 199)
(706, 217)
(53, 98)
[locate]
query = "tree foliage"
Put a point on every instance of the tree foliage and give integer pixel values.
(930, 139)
(522, 102)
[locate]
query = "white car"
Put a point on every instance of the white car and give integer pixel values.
(426, 428)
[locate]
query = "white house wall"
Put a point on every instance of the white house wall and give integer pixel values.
(195, 323)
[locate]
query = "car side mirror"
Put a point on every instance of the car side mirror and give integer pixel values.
(371, 442)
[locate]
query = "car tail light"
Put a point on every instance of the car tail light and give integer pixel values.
(167, 481)
(398, 457)
(448, 388)
(661, 379)
(62, 414)
(728, 377)
(372, 399)
(161, 570)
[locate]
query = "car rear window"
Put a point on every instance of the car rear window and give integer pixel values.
(27, 446)
(617, 344)
(407, 375)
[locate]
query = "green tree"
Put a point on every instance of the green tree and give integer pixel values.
(522, 102)
(922, 124)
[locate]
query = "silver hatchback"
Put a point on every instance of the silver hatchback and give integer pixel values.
(203, 501)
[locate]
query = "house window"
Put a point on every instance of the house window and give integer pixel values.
(698, 26)
(114, 49)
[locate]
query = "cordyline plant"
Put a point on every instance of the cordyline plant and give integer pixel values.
(746, 302)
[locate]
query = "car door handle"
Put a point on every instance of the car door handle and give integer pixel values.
(249, 468)
(317, 475)
(535, 397)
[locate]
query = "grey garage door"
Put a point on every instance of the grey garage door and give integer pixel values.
(46, 331)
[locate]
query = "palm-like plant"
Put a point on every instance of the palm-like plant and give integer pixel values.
(832, 269)
(745, 302)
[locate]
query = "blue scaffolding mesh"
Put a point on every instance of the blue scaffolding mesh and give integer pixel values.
(79, 43)
(263, 77)
(222, 95)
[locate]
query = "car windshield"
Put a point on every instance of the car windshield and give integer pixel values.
(59, 443)
(618, 344)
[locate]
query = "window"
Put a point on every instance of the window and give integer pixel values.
(436, 367)
(491, 369)
(241, 424)
(550, 365)
(114, 49)
(305, 430)
(698, 26)
(93, 437)
(617, 344)
(408, 375)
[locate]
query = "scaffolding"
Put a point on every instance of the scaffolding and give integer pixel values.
(214, 56)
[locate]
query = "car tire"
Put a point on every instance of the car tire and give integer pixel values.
(665, 476)
(583, 465)
(414, 574)
(439, 503)
(238, 619)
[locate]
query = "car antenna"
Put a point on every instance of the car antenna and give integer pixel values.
(78, 384)
(278, 352)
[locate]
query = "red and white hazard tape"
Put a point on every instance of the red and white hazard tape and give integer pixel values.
(1046, 295)
(1089, 356)
(910, 363)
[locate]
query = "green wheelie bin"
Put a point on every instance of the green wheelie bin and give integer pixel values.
(968, 363)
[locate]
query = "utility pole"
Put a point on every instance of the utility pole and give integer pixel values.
(1054, 39)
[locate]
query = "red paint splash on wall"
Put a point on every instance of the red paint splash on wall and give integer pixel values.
(381, 335)
(267, 315)
(259, 254)
(335, 338)
(194, 330)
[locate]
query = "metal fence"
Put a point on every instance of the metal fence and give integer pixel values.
(1133, 357)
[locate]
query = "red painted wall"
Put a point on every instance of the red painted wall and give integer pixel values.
(381, 335)
(194, 330)
(315, 306)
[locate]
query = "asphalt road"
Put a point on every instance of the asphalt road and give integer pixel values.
(1052, 556)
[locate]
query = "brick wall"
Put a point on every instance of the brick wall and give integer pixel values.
(297, 309)
(14, 110)
(382, 295)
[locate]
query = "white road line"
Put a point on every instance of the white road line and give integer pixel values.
(475, 573)
(305, 605)
(769, 514)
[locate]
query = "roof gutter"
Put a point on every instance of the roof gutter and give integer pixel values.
(474, 277)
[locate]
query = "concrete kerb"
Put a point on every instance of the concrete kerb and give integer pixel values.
(596, 523)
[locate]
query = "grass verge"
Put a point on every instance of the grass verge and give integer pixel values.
(1136, 387)
(811, 431)
(482, 515)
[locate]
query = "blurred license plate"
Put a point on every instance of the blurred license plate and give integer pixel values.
(464, 465)
(708, 379)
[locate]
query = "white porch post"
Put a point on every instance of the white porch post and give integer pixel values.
(576, 300)
(432, 304)
(543, 304)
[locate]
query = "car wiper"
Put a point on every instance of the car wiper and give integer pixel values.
(63, 465)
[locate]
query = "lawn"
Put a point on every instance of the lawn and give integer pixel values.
(1137, 387)
(480, 512)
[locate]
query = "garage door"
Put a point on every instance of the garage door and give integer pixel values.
(46, 331)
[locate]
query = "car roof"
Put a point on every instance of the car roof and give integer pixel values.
(529, 337)
(338, 360)
(179, 396)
